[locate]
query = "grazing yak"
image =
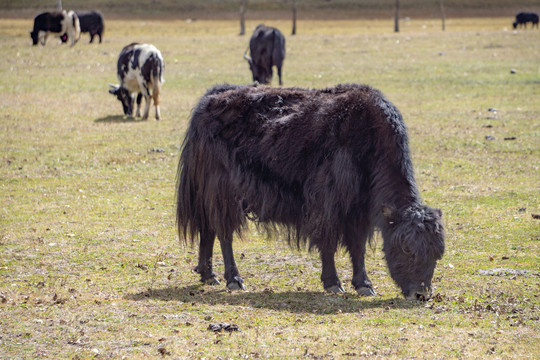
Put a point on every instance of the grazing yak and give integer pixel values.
(327, 167)
(523, 18)
(64, 23)
(267, 49)
(140, 71)
(92, 23)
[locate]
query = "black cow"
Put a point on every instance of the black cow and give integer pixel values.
(59, 22)
(267, 49)
(140, 71)
(328, 167)
(523, 18)
(91, 22)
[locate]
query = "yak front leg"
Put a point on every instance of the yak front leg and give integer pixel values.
(356, 245)
(206, 247)
(234, 281)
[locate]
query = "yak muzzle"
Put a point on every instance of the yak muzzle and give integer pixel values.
(422, 293)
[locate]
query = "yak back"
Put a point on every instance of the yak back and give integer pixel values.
(49, 21)
(124, 59)
(267, 46)
(91, 21)
(312, 162)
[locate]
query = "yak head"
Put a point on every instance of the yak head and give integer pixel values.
(413, 241)
(35, 37)
(261, 74)
(124, 96)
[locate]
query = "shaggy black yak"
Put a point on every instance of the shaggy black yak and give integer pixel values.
(328, 167)
(267, 49)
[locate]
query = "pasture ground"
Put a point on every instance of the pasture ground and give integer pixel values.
(90, 263)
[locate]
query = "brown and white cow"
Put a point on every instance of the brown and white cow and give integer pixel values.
(58, 22)
(140, 71)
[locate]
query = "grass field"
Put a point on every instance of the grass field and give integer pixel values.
(307, 9)
(90, 263)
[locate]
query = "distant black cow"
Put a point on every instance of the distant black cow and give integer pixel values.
(267, 49)
(91, 22)
(326, 166)
(523, 18)
(59, 22)
(140, 71)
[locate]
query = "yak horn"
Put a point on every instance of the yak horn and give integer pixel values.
(245, 55)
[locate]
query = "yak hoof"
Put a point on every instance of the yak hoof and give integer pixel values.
(365, 291)
(236, 284)
(211, 281)
(335, 289)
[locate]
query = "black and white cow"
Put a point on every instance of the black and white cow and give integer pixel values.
(140, 71)
(58, 22)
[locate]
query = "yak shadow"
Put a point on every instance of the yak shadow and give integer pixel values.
(118, 119)
(289, 301)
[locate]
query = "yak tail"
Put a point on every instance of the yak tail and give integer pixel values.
(76, 27)
(206, 199)
(73, 26)
(188, 221)
(157, 81)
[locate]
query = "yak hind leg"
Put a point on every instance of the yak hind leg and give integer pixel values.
(204, 268)
(329, 276)
(234, 281)
(356, 245)
(147, 99)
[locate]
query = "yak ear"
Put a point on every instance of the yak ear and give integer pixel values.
(389, 214)
(439, 212)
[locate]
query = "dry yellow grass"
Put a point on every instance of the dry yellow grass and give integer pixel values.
(90, 263)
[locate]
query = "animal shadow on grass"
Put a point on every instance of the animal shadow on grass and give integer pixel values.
(291, 301)
(117, 119)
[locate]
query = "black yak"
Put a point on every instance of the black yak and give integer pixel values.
(267, 49)
(91, 22)
(328, 167)
(523, 18)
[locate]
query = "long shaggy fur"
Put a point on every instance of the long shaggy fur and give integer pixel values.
(319, 164)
